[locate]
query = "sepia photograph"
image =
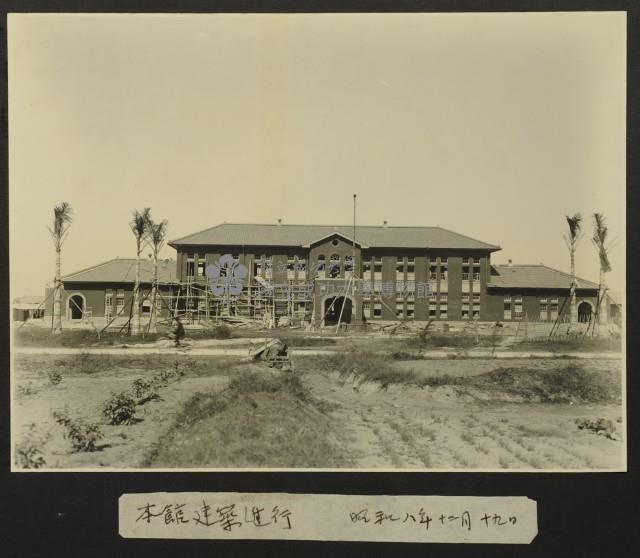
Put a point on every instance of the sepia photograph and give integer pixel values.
(318, 242)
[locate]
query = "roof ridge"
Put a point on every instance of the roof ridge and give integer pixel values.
(92, 267)
(470, 238)
(198, 232)
(569, 275)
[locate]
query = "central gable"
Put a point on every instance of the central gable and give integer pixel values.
(334, 238)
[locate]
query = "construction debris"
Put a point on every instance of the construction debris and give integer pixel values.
(274, 352)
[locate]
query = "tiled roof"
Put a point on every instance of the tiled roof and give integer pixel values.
(123, 270)
(238, 234)
(533, 277)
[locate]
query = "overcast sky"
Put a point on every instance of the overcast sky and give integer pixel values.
(492, 125)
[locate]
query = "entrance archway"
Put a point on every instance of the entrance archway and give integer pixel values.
(333, 306)
(584, 312)
(76, 307)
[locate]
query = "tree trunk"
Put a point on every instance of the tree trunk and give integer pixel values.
(57, 297)
(135, 318)
(603, 315)
(573, 309)
(153, 319)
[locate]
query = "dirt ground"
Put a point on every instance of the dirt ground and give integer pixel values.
(400, 427)
(436, 428)
(123, 446)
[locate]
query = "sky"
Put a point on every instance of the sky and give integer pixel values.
(493, 125)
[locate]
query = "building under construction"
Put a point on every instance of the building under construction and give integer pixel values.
(325, 276)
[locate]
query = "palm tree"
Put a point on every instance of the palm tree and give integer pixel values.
(572, 243)
(157, 233)
(61, 223)
(599, 239)
(139, 228)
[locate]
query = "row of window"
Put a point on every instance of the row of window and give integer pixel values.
(513, 308)
(296, 267)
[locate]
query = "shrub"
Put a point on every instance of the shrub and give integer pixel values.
(27, 452)
(143, 389)
(222, 331)
(601, 426)
(55, 377)
(83, 435)
(428, 339)
(120, 409)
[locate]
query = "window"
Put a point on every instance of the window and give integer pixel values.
(348, 265)
(334, 266)
(322, 270)
(411, 268)
(268, 267)
(465, 298)
(443, 313)
(507, 308)
(410, 309)
(476, 276)
(443, 297)
(465, 312)
(291, 267)
(366, 308)
(553, 307)
(476, 298)
(443, 274)
(190, 266)
(377, 268)
(120, 301)
(433, 273)
(544, 310)
(377, 310)
(201, 266)
(465, 276)
(517, 308)
(301, 266)
(465, 260)
(258, 268)
(366, 270)
(108, 305)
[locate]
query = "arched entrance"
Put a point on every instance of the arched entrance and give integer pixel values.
(333, 306)
(584, 312)
(76, 307)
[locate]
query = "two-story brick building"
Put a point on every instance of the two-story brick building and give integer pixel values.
(329, 274)
(320, 274)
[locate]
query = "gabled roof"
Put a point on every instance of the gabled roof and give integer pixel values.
(533, 277)
(349, 239)
(123, 270)
(240, 234)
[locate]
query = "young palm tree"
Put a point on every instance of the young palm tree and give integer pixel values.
(157, 234)
(599, 239)
(139, 228)
(572, 242)
(61, 223)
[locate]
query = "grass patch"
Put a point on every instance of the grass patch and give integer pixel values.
(572, 343)
(88, 364)
(562, 384)
(259, 420)
(34, 336)
(426, 339)
(309, 341)
(569, 383)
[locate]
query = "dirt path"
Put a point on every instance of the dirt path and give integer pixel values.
(243, 352)
(436, 429)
